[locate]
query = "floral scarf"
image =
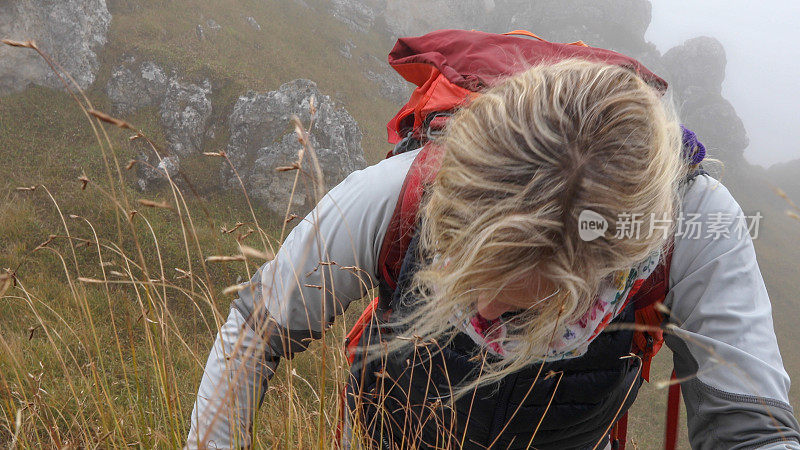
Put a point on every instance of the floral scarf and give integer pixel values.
(573, 339)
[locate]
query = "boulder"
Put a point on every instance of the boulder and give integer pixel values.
(699, 62)
(133, 86)
(262, 139)
(70, 31)
(153, 172)
(716, 123)
(696, 70)
(185, 111)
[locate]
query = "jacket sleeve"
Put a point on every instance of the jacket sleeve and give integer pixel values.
(325, 263)
(735, 387)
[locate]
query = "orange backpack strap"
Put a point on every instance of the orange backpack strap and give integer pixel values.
(673, 412)
(647, 342)
(354, 336)
(401, 226)
(619, 434)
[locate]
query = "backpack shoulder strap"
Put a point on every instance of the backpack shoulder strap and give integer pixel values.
(649, 340)
(401, 226)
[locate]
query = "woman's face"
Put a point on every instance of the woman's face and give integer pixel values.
(521, 294)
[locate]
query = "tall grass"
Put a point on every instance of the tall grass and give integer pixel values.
(108, 351)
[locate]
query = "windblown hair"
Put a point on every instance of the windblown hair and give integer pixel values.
(520, 163)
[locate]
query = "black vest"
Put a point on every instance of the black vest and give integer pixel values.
(404, 400)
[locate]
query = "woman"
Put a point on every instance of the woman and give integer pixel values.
(499, 278)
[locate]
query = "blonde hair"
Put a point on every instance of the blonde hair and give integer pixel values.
(520, 163)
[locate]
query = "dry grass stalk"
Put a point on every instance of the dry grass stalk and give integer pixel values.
(219, 154)
(24, 44)
(29, 188)
(226, 258)
(90, 280)
(225, 230)
(46, 243)
(250, 252)
(247, 233)
(6, 281)
(112, 120)
(783, 195)
(152, 204)
(235, 289)
(294, 166)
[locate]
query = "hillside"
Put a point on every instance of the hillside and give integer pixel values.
(143, 345)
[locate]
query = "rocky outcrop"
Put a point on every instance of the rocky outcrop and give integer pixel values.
(263, 139)
(698, 63)
(184, 115)
(70, 31)
(133, 86)
(184, 107)
(696, 71)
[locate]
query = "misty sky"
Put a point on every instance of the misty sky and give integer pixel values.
(763, 49)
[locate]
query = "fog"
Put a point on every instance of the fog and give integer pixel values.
(763, 52)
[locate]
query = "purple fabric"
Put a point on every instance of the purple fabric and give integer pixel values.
(692, 148)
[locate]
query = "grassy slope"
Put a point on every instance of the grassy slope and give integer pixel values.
(46, 140)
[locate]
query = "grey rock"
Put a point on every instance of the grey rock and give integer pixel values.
(390, 84)
(133, 86)
(70, 31)
(715, 121)
(213, 25)
(156, 173)
(699, 62)
(262, 138)
(185, 111)
(252, 22)
(695, 71)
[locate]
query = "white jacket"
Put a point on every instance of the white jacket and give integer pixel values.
(723, 339)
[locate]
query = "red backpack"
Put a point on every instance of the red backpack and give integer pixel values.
(449, 68)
